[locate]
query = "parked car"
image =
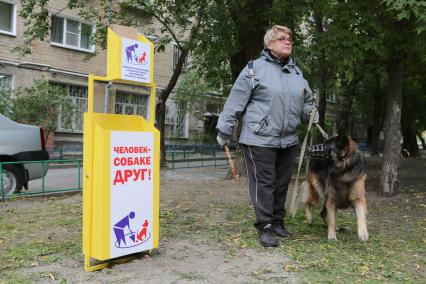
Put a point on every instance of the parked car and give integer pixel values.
(21, 142)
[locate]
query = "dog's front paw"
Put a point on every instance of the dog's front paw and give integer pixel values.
(332, 238)
(363, 236)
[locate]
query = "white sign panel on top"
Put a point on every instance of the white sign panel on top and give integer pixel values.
(132, 192)
(135, 61)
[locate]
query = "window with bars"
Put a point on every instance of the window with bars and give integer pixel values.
(5, 81)
(131, 103)
(176, 54)
(79, 98)
(7, 18)
(71, 34)
(176, 117)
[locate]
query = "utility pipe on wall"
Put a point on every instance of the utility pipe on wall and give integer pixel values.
(106, 97)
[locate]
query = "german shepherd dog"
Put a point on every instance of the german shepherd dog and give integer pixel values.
(338, 182)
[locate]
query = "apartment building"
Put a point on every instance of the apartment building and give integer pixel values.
(61, 60)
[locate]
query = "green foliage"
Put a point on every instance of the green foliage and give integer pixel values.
(353, 49)
(198, 137)
(211, 55)
(40, 105)
(36, 15)
(5, 101)
(197, 92)
(37, 21)
(173, 17)
(409, 10)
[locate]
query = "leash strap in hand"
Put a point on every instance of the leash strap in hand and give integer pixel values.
(294, 204)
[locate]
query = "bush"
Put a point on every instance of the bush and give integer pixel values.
(41, 105)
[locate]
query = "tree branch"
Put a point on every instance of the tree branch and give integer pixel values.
(184, 53)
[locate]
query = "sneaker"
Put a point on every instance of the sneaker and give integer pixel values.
(280, 230)
(266, 236)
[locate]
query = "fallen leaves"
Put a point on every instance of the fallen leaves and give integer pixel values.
(49, 275)
(290, 267)
(364, 269)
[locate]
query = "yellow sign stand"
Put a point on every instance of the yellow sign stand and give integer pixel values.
(121, 157)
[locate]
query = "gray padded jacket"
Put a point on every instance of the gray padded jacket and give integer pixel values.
(272, 107)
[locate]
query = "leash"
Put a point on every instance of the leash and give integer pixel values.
(323, 133)
(294, 204)
(295, 198)
(299, 199)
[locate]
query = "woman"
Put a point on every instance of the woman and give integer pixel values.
(273, 98)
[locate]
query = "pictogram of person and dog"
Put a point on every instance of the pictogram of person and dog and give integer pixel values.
(138, 237)
(132, 57)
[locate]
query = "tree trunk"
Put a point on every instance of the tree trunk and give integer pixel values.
(377, 118)
(375, 128)
(161, 120)
(164, 95)
(251, 23)
(422, 140)
(344, 118)
(410, 141)
(323, 72)
(392, 147)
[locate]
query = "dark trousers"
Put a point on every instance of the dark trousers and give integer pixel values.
(268, 174)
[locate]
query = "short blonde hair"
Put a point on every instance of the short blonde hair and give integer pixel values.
(270, 34)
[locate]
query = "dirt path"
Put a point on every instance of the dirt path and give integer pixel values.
(179, 259)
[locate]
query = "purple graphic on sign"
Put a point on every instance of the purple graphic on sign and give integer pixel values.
(135, 61)
(129, 51)
(133, 238)
(134, 57)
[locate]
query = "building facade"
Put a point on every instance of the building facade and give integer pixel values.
(62, 60)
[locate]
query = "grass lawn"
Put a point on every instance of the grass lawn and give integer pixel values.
(395, 252)
(39, 232)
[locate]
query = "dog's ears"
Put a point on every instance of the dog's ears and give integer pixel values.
(342, 139)
(342, 130)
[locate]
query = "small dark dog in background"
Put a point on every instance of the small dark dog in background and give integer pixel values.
(336, 181)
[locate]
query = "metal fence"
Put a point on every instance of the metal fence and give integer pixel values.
(39, 186)
(195, 156)
(66, 152)
(177, 156)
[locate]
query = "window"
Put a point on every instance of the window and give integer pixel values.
(78, 95)
(7, 18)
(331, 97)
(5, 81)
(176, 117)
(70, 33)
(131, 103)
(176, 54)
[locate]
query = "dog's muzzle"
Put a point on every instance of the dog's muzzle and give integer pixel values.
(318, 152)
